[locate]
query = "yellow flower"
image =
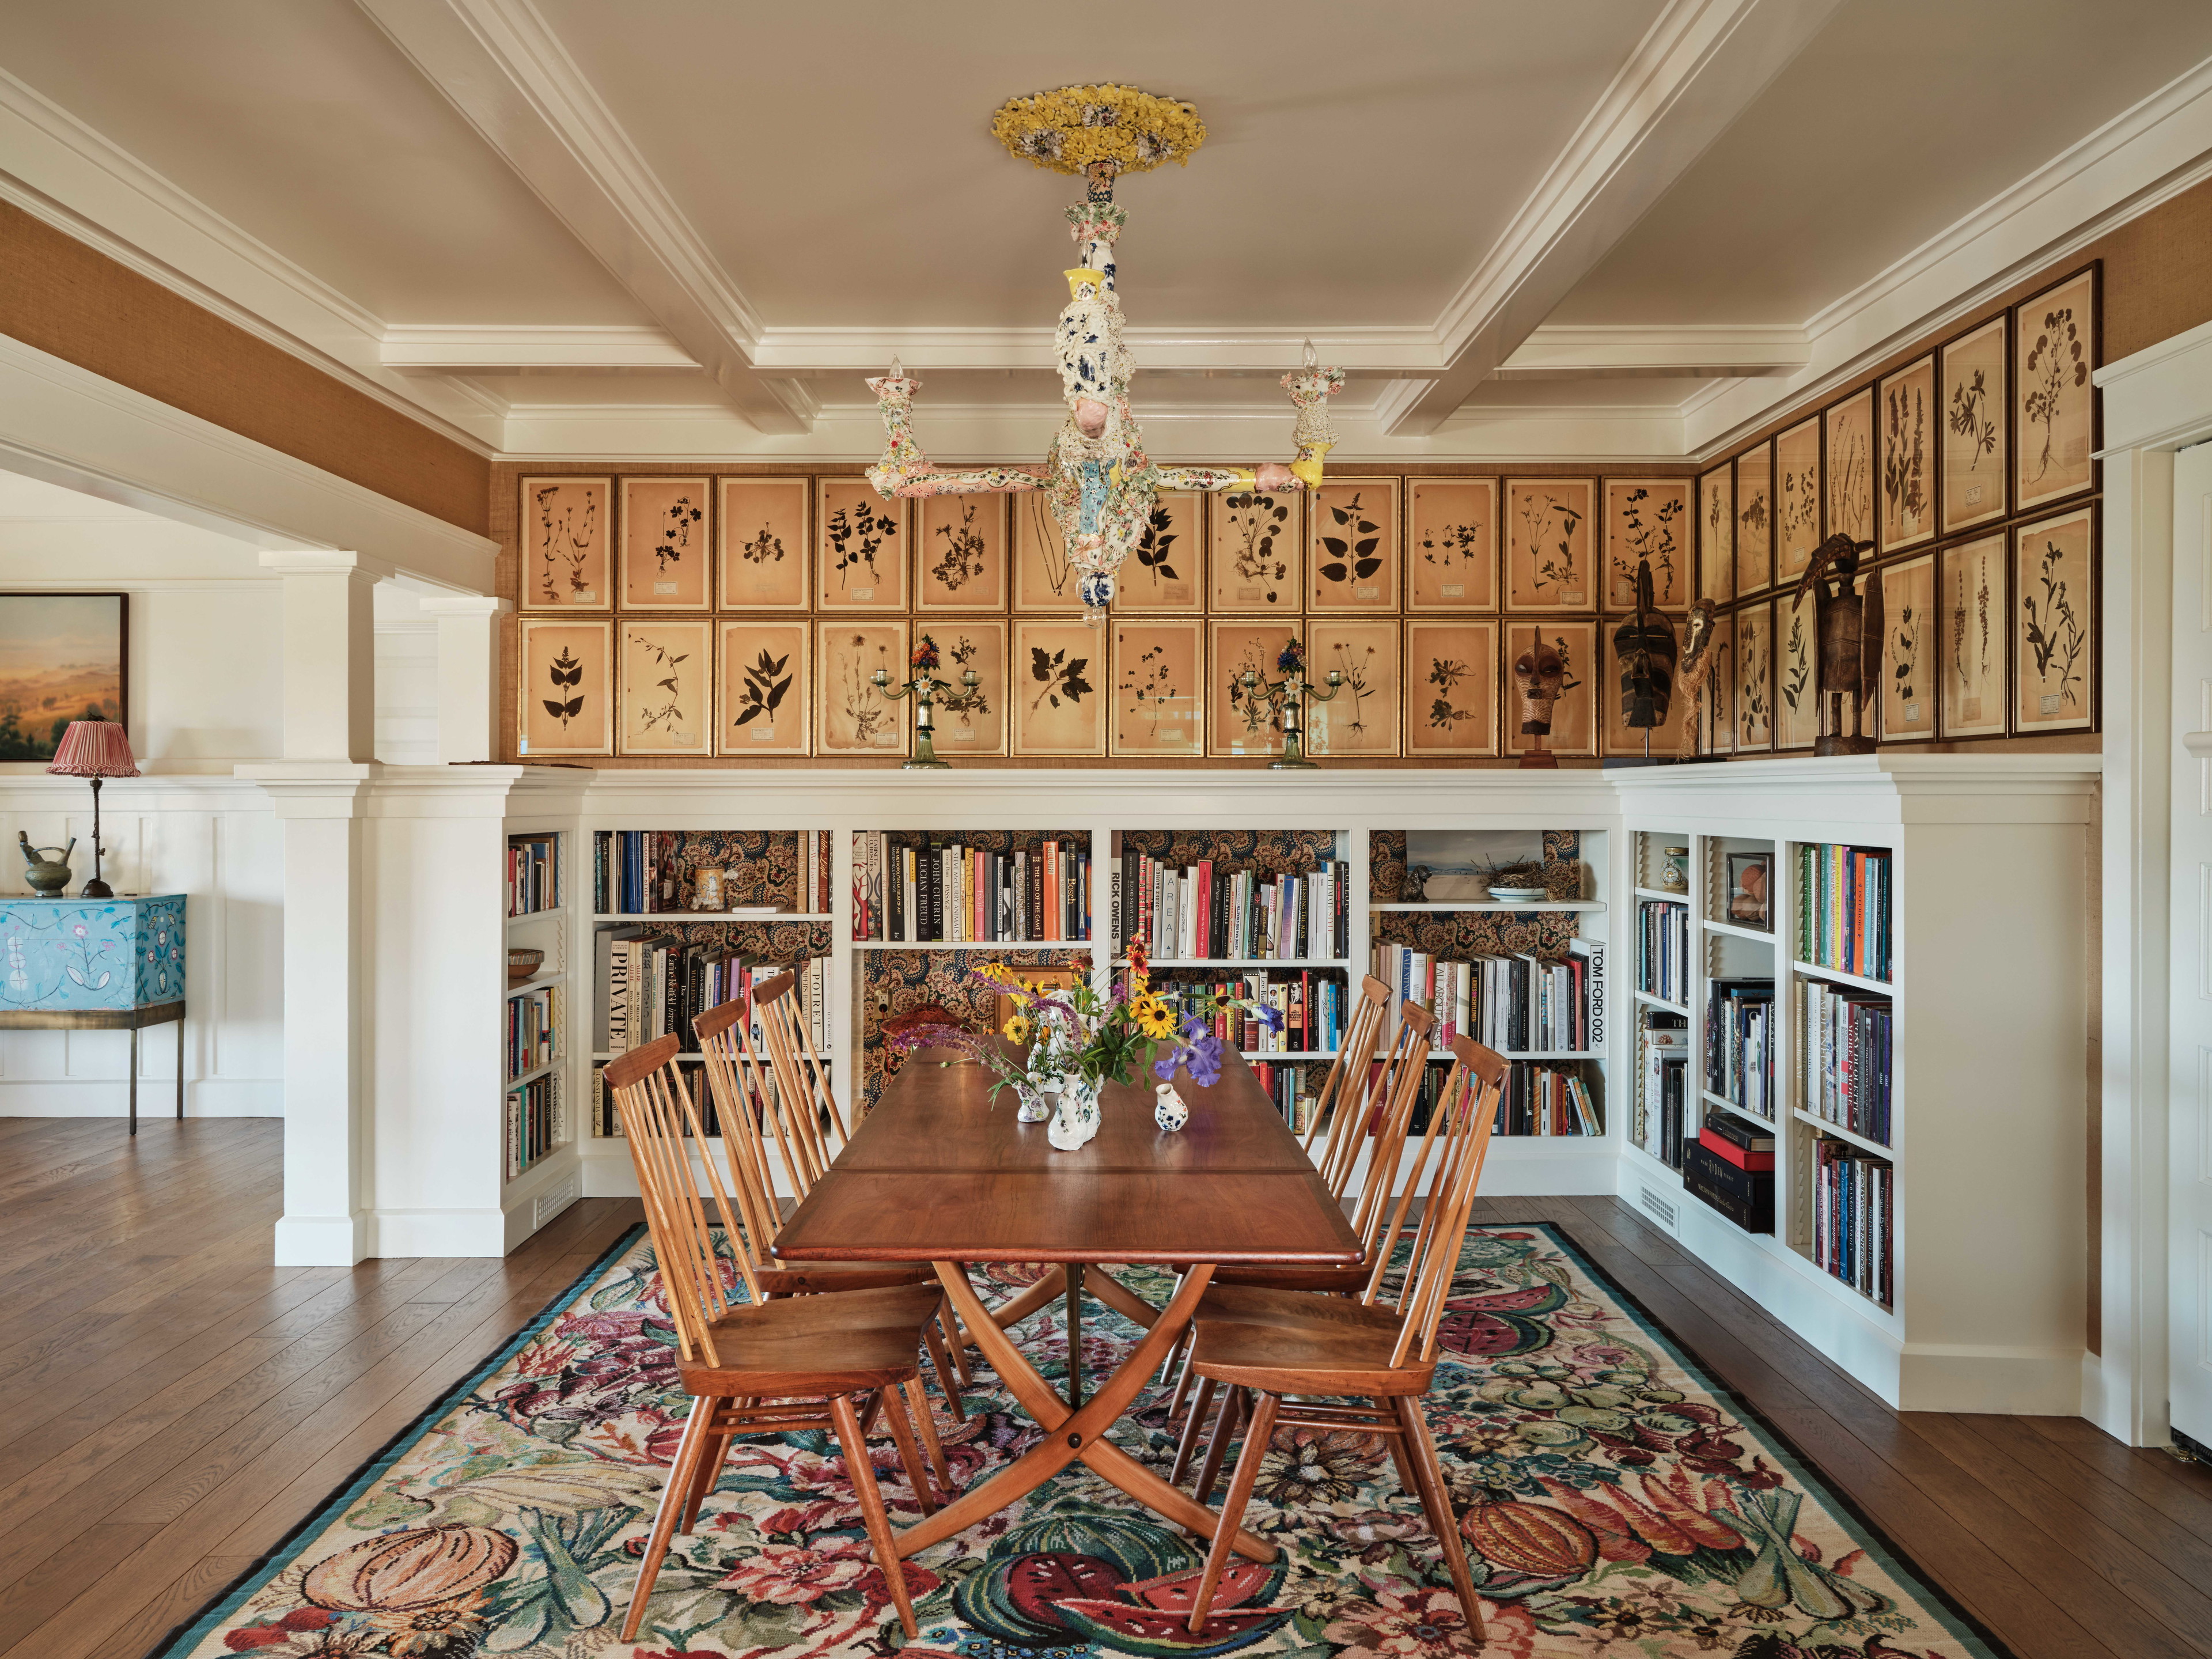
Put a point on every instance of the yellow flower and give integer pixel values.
(1155, 1018)
(1017, 1028)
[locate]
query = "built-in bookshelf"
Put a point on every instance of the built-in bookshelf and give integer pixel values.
(973, 889)
(534, 1042)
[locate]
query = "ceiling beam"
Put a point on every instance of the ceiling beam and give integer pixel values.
(463, 349)
(500, 65)
(1701, 352)
(1696, 69)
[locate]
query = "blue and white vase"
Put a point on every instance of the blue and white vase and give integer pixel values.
(1169, 1109)
(1077, 1119)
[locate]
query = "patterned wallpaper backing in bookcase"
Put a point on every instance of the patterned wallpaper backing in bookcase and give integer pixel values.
(759, 866)
(1266, 852)
(1386, 862)
(897, 983)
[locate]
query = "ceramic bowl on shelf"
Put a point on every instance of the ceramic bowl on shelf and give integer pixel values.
(521, 963)
(1517, 895)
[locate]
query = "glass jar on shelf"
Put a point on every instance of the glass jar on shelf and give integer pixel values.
(1674, 870)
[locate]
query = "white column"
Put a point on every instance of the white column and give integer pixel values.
(330, 655)
(468, 675)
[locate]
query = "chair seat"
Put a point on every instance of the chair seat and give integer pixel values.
(1339, 1360)
(818, 1344)
(1342, 1280)
(806, 1278)
(1267, 1305)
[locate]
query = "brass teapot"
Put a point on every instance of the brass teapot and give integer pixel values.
(49, 871)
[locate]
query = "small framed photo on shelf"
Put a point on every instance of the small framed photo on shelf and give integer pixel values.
(1751, 896)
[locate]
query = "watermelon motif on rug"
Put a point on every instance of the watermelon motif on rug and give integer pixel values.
(1613, 1499)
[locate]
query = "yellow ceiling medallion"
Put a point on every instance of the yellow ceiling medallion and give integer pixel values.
(1076, 127)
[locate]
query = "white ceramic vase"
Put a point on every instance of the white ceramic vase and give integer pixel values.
(1037, 1105)
(1169, 1109)
(1077, 1119)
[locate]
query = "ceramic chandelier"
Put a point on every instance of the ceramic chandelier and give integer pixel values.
(1101, 483)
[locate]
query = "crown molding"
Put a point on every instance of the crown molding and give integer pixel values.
(459, 348)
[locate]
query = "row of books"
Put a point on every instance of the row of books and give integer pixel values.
(1729, 1167)
(1739, 1042)
(652, 984)
(1662, 951)
(533, 874)
(922, 889)
(1515, 1004)
(1843, 908)
(1292, 1088)
(1847, 1058)
(1854, 1208)
(1311, 1005)
(638, 872)
(535, 1122)
(1546, 1099)
(1659, 1122)
(533, 1029)
(1206, 912)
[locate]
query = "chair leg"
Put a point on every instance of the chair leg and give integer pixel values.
(941, 1362)
(1234, 1409)
(1407, 1481)
(710, 1469)
(1189, 1443)
(932, 1447)
(917, 1473)
(947, 1325)
(879, 1523)
(1232, 1508)
(1438, 1502)
(690, 1449)
(1182, 1381)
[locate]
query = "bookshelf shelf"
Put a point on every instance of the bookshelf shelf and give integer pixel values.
(537, 983)
(535, 1072)
(1663, 895)
(707, 915)
(1301, 1054)
(555, 915)
(1835, 1131)
(1837, 976)
(1850, 1295)
(1737, 930)
(971, 944)
(1743, 1112)
(1493, 907)
(1649, 1001)
(1249, 964)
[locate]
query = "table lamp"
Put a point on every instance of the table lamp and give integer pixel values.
(95, 749)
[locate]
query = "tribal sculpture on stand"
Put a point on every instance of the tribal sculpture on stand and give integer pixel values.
(1696, 673)
(1539, 673)
(1643, 646)
(1847, 669)
(1101, 483)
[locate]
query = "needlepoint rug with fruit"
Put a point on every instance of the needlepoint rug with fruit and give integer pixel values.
(1616, 1502)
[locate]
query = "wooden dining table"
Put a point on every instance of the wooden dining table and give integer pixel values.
(939, 1173)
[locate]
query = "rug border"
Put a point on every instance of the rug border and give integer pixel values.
(225, 1603)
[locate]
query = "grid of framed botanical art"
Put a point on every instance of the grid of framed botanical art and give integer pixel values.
(1969, 472)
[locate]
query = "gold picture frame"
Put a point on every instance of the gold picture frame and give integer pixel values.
(565, 534)
(1754, 520)
(1255, 552)
(1911, 651)
(861, 544)
(851, 717)
(764, 682)
(1059, 686)
(1159, 688)
(665, 706)
(1361, 721)
(1971, 611)
(1352, 551)
(969, 722)
(1796, 500)
(762, 537)
(961, 563)
(2054, 633)
(1975, 377)
(2054, 352)
(1451, 687)
(1717, 534)
(666, 543)
(1452, 544)
(1574, 715)
(566, 681)
(1646, 520)
(1550, 545)
(1907, 422)
(1164, 573)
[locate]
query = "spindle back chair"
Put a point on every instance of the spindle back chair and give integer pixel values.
(1347, 1092)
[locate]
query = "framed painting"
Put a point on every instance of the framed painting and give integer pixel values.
(1058, 696)
(1754, 520)
(2054, 345)
(851, 717)
(1911, 644)
(1796, 500)
(666, 669)
(1159, 687)
(1717, 736)
(1351, 546)
(1797, 701)
(1253, 543)
(1043, 579)
(1241, 721)
(566, 527)
(1972, 375)
(1361, 719)
(1754, 680)
(969, 720)
(1647, 521)
(1451, 542)
(1970, 627)
(960, 552)
(1161, 573)
(860, 547)
(1717, 535)
(664, 544)
(2054, 641)
(1548, 557)
(567, 701)
(764, 673)
(64, 657)
(1574, 716)
(1850, 428)
(1615, 734)
(760, 533)
(1905, 456)
(1451, 686)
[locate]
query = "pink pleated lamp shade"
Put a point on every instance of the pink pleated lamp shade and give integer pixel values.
(94, 749)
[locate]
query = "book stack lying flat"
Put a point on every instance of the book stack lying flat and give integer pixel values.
(1517, 1004)
(1722, 1168)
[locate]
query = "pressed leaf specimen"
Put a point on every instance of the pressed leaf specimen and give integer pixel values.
(1972, 418)
(567, 673)
(1445, 674)
(869, 714)
(1801, 503)
(1351, 551)
(767, 548)
(1799, 655)
(1548, 526)
(963, 551)
(2055, 631)
(765, 687)
(1154, 547)
(1905, 643)
(2056, 364)
(1853, 496)
(1649, 533)
(566, 531)
(1061, 677)
(1254, 521)
(1446, 544)
(1904, 460)
(675, 538)
(966, 702)
(1149, 683)
(666, 711)
(1356, 667)
(855, 534)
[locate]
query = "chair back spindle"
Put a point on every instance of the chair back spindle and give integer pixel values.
(740, 1084)
(1470, 1102)
(806, 1111)
(1349, 1077)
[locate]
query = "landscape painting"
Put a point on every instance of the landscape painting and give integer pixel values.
(63, 657)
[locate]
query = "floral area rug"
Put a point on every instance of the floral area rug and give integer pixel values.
(1615, 1502)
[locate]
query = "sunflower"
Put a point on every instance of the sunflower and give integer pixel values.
(1017, 1028)
(1154, 1018)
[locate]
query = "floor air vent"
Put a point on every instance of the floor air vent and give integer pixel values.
(1658, 1206)
(551, 1202)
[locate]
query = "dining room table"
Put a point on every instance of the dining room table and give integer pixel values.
(941, 1171)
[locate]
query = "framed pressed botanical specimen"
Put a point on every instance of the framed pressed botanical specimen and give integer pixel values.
(860, 549)
(568, 689)
(1755, 679)
(2054, 345)
(1905, 458)
(1574, 715)
(1972, 381)
(1754, 520)
(1617, 735)
(1043, 579)
(2054, 644)
(1647, 521)
(667, 671)
(1797, 704)
(960, 553)
(1159, 687)
(1717, 534)
(1241, 721)
(1451, 544)
(851, 717)
(1058, 696)
(1351, 555)
(760, 526)
(1718, 734)
(1796, 499)
(664, 544)
(1851, 466)
(566, 526)
(1971, 625)
(1362, 718)
(968, 721)
(1911, 644)
(1549, 563)
(1255, 545)
(766, 675)
(1451, 686)
(1162, 572)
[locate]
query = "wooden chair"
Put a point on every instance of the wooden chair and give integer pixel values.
(1348, 1089)
(1266, 1343)
(769, 1367)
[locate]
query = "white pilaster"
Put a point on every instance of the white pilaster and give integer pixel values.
(330, 654)
(468, 675)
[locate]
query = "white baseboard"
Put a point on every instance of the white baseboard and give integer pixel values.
(321, 1241)
(157, 1098)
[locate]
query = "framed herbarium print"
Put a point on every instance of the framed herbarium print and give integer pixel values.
(760, 526)
(1043, 579)
(1717, 735)
(1850, 427)
(1351, 553)
(960, 552)
(1905, 408)
(1159, 687)
(1911, 646)
(667, 671)
(1059, 690)
(2054, 345)
(1242, 720)
(1255, 550)
(1550, 562)
(1755, 679)
(1796, 697)
(1574, 715)
(1362, 718)
(764, 687)
(851, 717)
(1451, 686)
(2054, 643)
(566, 527)
(1647, 524)
(1971, 626)
(1163, 573)
(1717, 535)
(1451, 544)
(1617, 736)
(860, 547)
(665, 544)
(566, 693)
(1972, 378)
(968, 719)
(1796, 500)
(1754, 520)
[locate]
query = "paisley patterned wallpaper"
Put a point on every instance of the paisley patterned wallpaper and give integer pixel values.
(893, 983)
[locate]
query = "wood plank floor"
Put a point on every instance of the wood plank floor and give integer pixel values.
(171, 1404)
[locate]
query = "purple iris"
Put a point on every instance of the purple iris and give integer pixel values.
(1201, 1055)
(1270, 1017)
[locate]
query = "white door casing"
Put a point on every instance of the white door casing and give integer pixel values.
(2189, 1164)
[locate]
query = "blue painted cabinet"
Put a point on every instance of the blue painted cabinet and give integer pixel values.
(77, 955)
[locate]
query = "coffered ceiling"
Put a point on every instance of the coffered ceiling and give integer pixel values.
(686, 227)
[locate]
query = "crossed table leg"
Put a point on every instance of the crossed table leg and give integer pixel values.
(1071, 1435)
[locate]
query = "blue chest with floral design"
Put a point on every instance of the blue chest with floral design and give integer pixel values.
(78, 953)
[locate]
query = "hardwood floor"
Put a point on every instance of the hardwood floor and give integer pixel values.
(170, 1406)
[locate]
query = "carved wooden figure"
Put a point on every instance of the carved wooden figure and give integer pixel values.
(1697, 671)
(1644, 647)
(1847, 667)
(1539, 674)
